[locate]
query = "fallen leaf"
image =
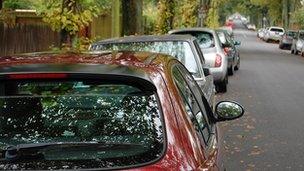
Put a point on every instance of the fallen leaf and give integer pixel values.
(250, 127)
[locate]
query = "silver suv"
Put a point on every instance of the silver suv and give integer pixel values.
(215, 57)
(297, 42)
(183, 47)
(274, 34)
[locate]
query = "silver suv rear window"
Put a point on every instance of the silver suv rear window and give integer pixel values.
(276, 30)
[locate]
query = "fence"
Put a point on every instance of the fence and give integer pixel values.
(26, 38)
(31, 34)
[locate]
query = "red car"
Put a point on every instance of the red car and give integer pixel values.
(229, 23)
(125, 110)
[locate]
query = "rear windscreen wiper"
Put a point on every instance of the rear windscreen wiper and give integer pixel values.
(32, 151)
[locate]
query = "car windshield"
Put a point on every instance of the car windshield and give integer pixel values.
(79, 113)
(222, 37)
(204, 39)
(276, 30)
(301, 35)
(291, 33)
(179, 49)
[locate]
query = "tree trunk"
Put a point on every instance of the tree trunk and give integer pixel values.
(166, 16)
(285, 13)
(116, 22)
(1, 2)
(132, 17)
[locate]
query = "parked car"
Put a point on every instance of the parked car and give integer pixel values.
(251, 27)
(184, 47)
(265, 30)
(230, 23)
(230, 50)
(302, 52)
(214, 54)
(297, 42)
(229, 31)
(260, 33)
(274, 34)
(107, 111)
(286, 40)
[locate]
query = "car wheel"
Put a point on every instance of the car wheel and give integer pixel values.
(296, 52)
(222, 86)
(281, 46)
(230, 70)
(237, 67)
(292, 51)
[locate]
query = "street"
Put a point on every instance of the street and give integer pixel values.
(270, 85)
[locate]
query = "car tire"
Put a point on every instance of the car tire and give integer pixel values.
(292, 51)
(231, 71)
(281, 46)
(237, 67)
(296, 52)
(222, 86)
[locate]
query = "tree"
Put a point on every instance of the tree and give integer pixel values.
(285, 15)
(294, 7)
(17, 4)
(203, 10)
(68, 16)
(298, 17)
(187, 13)
(212, 20)
(149, 16)
(166, 16)
(132, 16)
(274, 9)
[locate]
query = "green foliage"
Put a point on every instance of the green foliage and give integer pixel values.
(213, 15)
(150, 16)
(298, 17)
(79, 45)
(17, 4)
(254, 8)
(8, 17)
(175, 14)
(186, 13)
(165, 15)
(71, 17)
(274, 8)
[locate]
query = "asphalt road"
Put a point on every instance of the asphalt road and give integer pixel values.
(270, 85)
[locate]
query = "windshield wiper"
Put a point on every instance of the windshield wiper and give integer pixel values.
(32, 151)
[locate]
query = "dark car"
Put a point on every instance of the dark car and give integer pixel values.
(126, 110)
(231, 50)
(286, 40)
(215, 57)
(184, 47)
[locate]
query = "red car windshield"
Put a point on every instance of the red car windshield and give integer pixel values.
(86, 124)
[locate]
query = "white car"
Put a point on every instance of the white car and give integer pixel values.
(260, 33)
(298, 42)
(251, 27)
(274, 34)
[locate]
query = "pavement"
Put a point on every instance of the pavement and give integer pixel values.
(270, 85)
